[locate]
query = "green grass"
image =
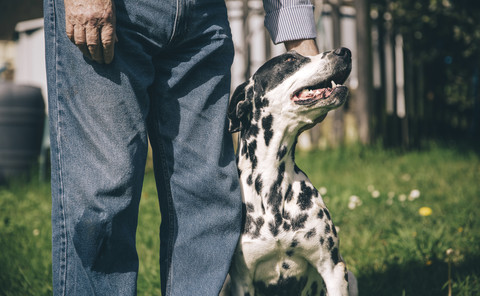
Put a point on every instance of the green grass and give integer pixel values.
(390, 247)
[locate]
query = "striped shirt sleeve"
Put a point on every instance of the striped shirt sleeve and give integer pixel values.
(288, 20)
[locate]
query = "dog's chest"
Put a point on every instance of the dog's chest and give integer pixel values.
(284, 222)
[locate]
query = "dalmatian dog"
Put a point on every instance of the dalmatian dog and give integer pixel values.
(289, 245)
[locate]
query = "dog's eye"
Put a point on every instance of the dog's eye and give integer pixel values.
(290, 59)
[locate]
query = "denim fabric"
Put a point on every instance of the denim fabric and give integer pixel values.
(169, 82)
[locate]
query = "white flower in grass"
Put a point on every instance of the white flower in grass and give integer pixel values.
(390, 195)
(36, 232)
(406, 177)
(354, 201)
(402, 197)
(322, 190)
(375, 194)
(414, 194)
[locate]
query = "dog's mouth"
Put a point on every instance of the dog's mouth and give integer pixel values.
(313, 94)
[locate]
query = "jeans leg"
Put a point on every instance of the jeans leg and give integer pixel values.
(97, 119)
(194, 159)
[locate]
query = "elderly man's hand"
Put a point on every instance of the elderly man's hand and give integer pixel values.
(90, 24)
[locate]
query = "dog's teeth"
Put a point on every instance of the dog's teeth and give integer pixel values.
(334, 84)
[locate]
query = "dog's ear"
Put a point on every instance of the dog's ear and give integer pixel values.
(239, 108)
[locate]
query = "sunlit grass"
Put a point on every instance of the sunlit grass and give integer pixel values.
(397, 215)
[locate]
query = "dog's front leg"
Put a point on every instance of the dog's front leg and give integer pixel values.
(241, 282)
(334, 275)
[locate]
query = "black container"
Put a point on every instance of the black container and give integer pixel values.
(22, 117)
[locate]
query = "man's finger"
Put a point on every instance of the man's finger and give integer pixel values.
(93, 44)
(108, 42)
(70, 31)
(80, 40)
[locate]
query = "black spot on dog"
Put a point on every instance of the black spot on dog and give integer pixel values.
(249, 180)
(252, 131)
(289, 253)
(273, 228)
(275, 197)
(320, 214)
(247, 223)
(327, 213)
(258, 184)
(334, 230)
(330, 243)
(310, 233)
(275, 225)
(267, 128)
(258, 226)
(299, 221)
(346, 276)
(322, 240)
(260, 101)
(254, 162)
(281, 171)
(296, 169)
(286, 216)
(334, 256)
(250, 207)
(251, 148)
(244, 150)
(285, 265)
(257, 114)
(304, 200)
(282, 152)
(289, 193)
(327, 228)
(294, 243)
(283, 287)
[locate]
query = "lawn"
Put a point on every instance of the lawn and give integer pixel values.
(397, 213)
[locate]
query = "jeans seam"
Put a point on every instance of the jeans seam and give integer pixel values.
(171, 217)
(176, 21)
(61, 190)
(170, 205)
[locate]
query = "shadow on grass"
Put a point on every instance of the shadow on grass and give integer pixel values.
(415, 278)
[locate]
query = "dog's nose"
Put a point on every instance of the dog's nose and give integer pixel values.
(343, 52)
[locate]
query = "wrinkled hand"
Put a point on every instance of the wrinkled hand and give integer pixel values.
(306, 47)
(90, 25)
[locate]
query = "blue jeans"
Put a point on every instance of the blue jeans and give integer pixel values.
(169, 83)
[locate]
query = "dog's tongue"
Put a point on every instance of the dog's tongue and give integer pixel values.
(318, 94)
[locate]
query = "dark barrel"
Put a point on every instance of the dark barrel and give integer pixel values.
(22, 116)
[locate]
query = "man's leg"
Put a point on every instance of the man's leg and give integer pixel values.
(194, 159)
(99, 145)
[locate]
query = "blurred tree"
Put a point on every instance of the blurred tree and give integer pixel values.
(442, 52)
(363, 106)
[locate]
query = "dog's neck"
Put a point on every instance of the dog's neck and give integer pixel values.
(267, 166)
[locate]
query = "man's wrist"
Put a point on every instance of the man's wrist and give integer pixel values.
(306, 47)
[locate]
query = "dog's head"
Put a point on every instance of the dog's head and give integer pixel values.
(294, 87)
